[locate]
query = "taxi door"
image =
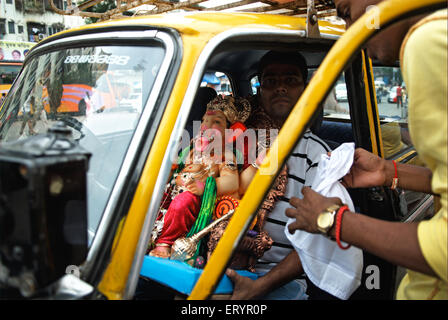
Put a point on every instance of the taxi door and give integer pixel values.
(366, 125)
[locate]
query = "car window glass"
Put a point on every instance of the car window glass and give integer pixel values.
(218, 81)
(336, 127)
(336, 103)
(392, 108)
(392, 104)
(254, 84)
(99, 93)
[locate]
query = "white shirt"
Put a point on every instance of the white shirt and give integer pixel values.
(302, 167)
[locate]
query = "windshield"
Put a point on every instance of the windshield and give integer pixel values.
(97, 91)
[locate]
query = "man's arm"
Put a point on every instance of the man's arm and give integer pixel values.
(285, 271)
(369, 170)
(394, 241)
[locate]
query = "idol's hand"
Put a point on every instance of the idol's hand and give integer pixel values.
(196, 187)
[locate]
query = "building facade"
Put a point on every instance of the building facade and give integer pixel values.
(33, 20)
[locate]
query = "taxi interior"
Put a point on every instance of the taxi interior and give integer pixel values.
(238, 61)
(361, 122)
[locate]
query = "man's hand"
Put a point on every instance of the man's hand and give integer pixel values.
(307, 210)
(244, 288)
(368, 170)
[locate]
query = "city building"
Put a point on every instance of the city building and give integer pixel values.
(33, 20)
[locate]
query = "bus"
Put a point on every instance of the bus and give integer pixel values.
(8, 72)
(12, 54)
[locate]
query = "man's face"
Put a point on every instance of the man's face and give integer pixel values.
(281, 85)
(385, 46)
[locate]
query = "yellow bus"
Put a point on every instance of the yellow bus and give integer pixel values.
(12, 55)
(8, 72)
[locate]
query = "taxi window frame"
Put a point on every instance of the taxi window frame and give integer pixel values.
(122, 193)
(201, 66)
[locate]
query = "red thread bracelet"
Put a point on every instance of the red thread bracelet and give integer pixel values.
(395, 179)
(338, 227)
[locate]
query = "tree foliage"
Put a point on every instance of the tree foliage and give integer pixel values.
(101, 7)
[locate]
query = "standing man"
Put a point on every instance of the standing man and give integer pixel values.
(399, 96)
(42, 82)
(282, 78)
(421, 44)
(27, 109)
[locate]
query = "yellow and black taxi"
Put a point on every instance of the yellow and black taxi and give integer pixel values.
(102, 108)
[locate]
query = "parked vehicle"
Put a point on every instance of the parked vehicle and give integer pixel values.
(392, 98)
(8, 72)
(12, 54)
(131, 151)
(341, 92)
(380, 87)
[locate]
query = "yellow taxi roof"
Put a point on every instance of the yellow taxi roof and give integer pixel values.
(213, 23)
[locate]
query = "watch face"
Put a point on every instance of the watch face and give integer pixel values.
(325, 220)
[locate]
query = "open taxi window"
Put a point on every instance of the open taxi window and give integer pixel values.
(392, 109)
(392, 104)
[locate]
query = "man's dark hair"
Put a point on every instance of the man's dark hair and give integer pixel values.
(284, 57)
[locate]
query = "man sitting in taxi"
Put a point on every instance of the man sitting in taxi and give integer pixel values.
(282, 78)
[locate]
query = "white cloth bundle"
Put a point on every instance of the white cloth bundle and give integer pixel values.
(330, 268)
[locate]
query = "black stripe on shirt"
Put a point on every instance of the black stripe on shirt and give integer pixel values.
(274, 221)
(303, 156)
(312, 166)
(282, 245)
(319, 141)
(302, 181)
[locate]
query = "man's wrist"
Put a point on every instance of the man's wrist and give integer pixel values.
(389, 172)
(332, 231)
(257, 290)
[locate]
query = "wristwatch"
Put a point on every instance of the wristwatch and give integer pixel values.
(325, 220)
